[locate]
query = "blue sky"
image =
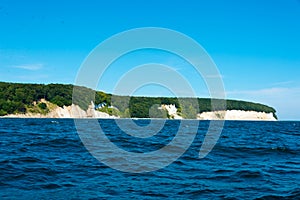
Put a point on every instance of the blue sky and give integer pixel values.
(255, 44)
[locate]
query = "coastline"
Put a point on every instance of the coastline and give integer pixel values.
(76, 112)
(229, 115)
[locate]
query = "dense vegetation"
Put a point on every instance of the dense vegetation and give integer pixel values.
(20, 98)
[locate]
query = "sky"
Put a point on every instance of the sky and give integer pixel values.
(254, 44)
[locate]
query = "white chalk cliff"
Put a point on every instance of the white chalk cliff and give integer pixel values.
(72, 111)
(172, 111)
(224, 115)
(236, 115)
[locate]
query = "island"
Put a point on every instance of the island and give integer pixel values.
(57, 101)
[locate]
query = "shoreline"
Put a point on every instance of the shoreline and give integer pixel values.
(200, 120)
(249, 120)
(116, 118)
(75, 112)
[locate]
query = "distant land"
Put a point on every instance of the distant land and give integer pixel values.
(56, 101)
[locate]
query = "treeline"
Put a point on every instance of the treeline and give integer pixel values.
(18, 98)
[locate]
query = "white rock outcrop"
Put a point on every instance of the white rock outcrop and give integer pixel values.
(172, 111)
(236, 115)
(72, 111)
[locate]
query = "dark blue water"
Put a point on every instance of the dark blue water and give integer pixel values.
(45, 159)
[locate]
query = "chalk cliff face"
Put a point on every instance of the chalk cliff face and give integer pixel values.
(236, 115)
(172, 111)
(73, 111)
(224, 115)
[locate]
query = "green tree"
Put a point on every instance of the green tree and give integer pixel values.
(42, 106)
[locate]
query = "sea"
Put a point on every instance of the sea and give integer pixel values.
(47, 159)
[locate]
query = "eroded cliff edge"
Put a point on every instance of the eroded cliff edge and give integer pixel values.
(74, 111)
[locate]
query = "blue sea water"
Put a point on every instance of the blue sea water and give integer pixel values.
(45, 159)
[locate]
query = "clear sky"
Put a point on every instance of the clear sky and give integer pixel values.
(255, 44)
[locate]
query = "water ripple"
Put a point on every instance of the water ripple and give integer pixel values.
(45, 159)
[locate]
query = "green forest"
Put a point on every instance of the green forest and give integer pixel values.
(20, 98)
